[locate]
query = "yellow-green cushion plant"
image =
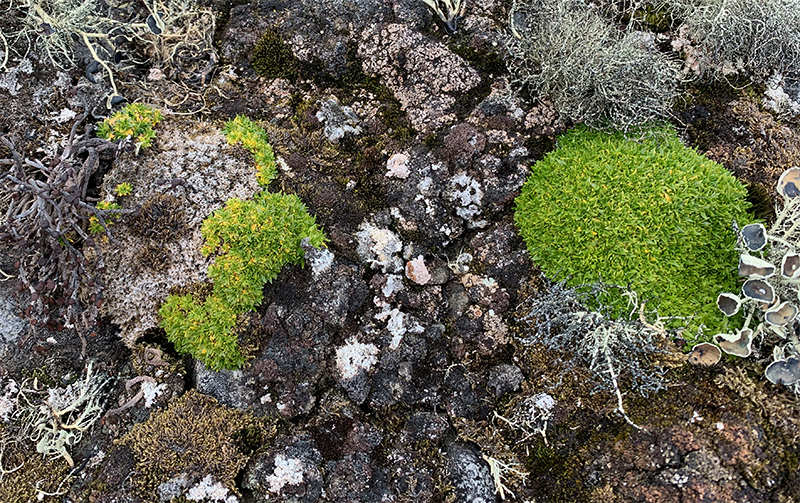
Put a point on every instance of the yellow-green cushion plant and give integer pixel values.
(95, 227)
(136, 121)
(253, 138)
(252, 241)
(649, 214)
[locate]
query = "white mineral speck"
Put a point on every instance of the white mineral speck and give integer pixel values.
(288, 471)
(397, 166)
(417, 272)
(355, 356)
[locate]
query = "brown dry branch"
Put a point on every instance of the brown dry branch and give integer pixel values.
(46, 219)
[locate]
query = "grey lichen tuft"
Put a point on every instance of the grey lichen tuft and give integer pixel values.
(754, 37)
(567, 52)
(613, 350)
(59, 420)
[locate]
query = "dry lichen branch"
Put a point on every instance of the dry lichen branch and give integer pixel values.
(174, 33)
(500, 471)
(758, 37)
(610, 349)
(448, 11)
(565, 51)
(5, 441)
(46, 218)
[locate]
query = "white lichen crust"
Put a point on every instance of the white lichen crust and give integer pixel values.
(197, 166)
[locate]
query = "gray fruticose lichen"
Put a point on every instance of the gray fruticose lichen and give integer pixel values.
(58, 421)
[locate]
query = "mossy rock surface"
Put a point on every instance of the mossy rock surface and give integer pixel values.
(253, 240)
(195, 436)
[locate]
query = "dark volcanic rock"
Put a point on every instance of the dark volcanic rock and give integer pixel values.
(469, 474)
(289, 471)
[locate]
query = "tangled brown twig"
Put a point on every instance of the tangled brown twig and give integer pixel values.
(152, 356)
(138, 396)
(47, 215)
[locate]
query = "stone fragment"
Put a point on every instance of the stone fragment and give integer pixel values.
(424, 75)
(397, 166)
(417, 272)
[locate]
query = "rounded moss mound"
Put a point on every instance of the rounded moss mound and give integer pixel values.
(649, 214)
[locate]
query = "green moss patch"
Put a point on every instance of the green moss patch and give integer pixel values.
(136, 121)
(253, 240)
(649, 214)
(273, 59)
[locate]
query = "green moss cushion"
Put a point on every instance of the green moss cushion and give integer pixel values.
(648, 213)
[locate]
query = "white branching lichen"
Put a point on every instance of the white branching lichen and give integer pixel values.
(612, 350)
(500, 472)
(58, 421)
(8, 400)
(566, 51)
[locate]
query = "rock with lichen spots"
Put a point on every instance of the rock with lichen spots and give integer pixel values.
(379, 248)
(462, 145)
(210, 489)
(338, 121)
(424, 75)
(289, 471)
(354, 358)
(11, 325)
(466, 195)
(469, 474)
(320, 259)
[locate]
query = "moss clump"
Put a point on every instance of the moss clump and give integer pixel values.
(27, 474)
(204, 330)
(123, 189)
(254, 239)
(254, 139)
(273, 59)
(161, 218)
(650, 214)
(194, 436)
